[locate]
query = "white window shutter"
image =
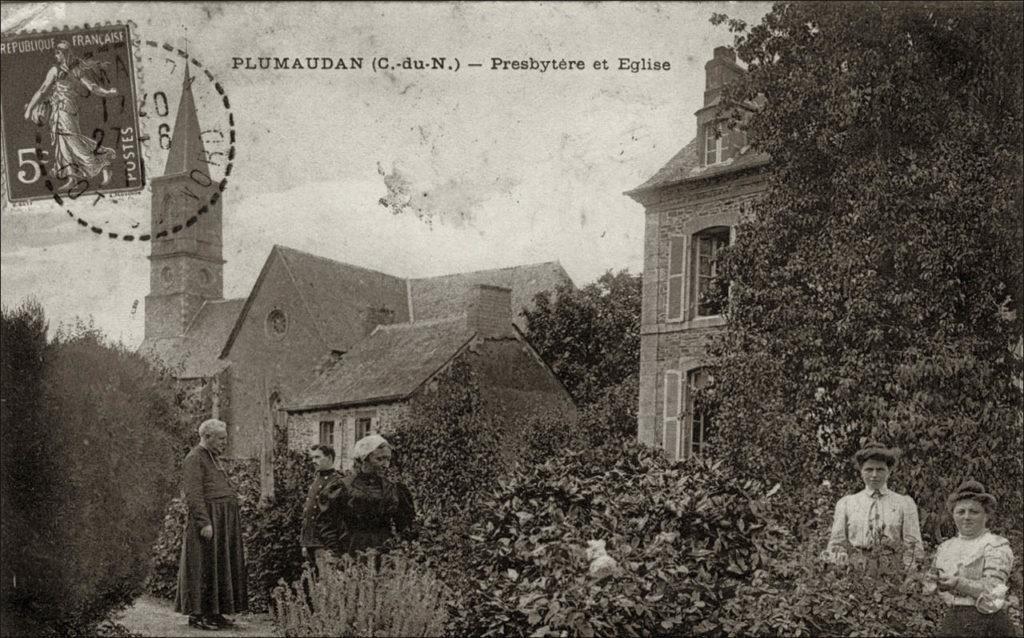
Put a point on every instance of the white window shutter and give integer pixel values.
(677, 267)
(671, 443)
(670, 414)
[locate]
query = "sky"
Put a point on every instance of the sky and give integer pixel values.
(493, 168)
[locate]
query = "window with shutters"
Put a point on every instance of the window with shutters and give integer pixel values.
(694, 288)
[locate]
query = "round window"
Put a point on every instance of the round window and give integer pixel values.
(277, 323)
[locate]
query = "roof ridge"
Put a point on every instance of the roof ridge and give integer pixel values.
(424, 323)
(335, 262)
(554, 262)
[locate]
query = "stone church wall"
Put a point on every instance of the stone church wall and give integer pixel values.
(267, 363)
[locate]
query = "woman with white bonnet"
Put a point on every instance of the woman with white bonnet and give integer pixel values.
(971, 569)
(365, 509)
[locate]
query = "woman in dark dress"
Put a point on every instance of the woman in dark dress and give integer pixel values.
(365, 509)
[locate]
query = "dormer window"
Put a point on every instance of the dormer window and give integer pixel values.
(712, 144)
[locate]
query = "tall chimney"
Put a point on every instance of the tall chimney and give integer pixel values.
(719, 71)
(489, 310)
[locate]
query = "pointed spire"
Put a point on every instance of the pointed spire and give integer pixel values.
(187, 151)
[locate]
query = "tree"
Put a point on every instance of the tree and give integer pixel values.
(589, 336)
(877, 288)
(87, 469)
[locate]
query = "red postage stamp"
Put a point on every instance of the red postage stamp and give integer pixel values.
(69, 113)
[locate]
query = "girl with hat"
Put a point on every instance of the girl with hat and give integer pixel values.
(971, 569)
(364, 509)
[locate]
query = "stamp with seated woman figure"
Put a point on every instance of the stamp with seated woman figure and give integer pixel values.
(70, 113)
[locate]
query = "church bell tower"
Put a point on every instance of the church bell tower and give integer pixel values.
(186, 264)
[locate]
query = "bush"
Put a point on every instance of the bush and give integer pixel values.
(798, 594)
(86, 455)
(270, 531)
(364, 596)
(684, 536)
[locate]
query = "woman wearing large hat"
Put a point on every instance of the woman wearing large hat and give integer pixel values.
(971, 569)
(875, 513)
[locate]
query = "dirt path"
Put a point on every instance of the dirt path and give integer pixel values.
(151, 616)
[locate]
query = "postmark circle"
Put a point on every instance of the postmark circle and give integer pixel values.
(184, 143)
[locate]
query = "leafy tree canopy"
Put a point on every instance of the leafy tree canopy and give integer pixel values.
(589, 336)
(877, 287)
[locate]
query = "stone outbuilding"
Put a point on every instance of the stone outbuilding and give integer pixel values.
(369, 388)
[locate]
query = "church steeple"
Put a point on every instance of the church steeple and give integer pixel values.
(187, 150)
(186, 253)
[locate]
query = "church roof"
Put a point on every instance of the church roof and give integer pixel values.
(333, 288)
(389, 364)
(334, 292)
(197, 354)
(685, 167)
(434, 297)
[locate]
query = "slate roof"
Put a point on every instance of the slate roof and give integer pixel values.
(333, 289)
(389, 364)
(685, 167)
(434, 297)
(196, 354)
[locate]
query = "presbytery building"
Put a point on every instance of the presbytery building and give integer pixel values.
(692, 206)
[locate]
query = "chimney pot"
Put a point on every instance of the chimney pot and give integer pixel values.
(725, 53)
(489, 310)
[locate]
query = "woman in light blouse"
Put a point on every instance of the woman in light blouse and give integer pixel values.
(876, 513)
(971, 569)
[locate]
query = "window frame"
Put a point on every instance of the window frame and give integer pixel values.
(691, 414)
(712, 134)
(332, 427)
(694, 282)
(356, 425)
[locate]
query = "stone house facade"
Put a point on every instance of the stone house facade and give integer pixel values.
(692, 207)
(248, 358)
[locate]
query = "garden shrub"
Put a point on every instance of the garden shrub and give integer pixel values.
(446, 448)
(271, 531)
(87, 456)
(369, 595)
(684, 536)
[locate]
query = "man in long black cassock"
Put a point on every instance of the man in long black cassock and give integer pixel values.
(211, 574)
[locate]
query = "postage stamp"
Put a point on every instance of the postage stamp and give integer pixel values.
(69, 113)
